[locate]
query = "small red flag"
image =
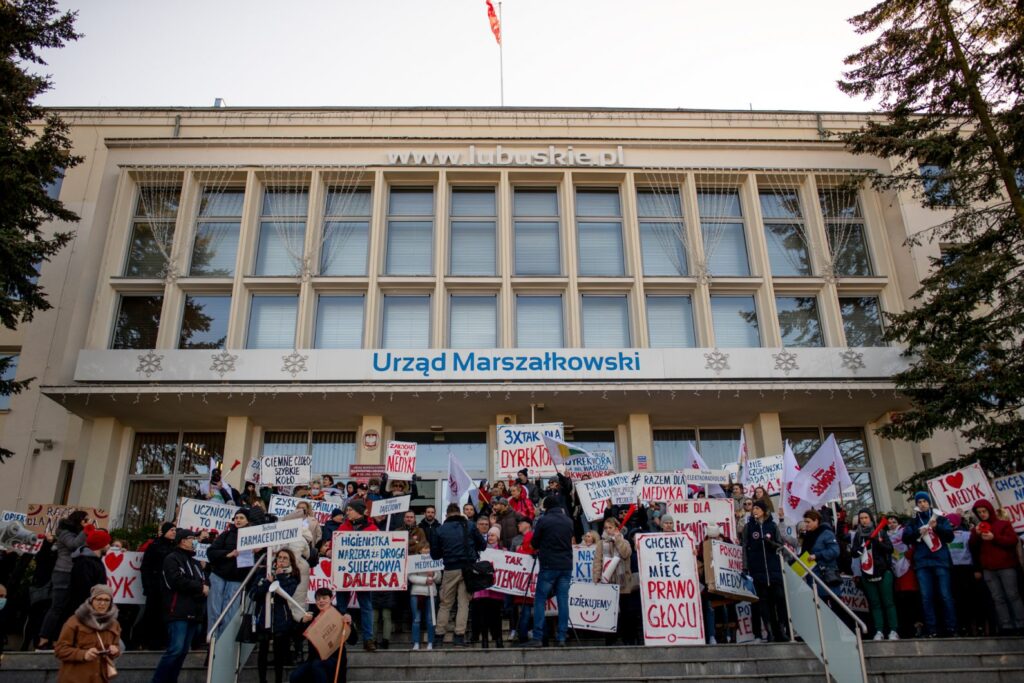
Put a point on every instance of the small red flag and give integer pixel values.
(495, 24)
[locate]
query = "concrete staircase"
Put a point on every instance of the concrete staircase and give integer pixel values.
(963, 660)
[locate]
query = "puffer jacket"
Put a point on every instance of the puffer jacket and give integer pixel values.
(183, 587)
(420, 585)
(281, 620)
(300, 549)
(822, 543)
(606, 549)
(452, 541)
(1001, 551)
(759, 554)
(509, 525)
(923, 555)
(552, 539)
(220, 564)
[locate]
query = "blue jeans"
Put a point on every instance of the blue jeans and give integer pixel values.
(365, 599)
(559, 581)
(417, 616)
(179, 638)
(221, 591)
(932, 579)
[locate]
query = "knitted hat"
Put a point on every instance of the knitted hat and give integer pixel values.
(337, 511)
(358, 505)
(525, 472)
(922, 495)
(499, 499)
(954, 519)
(761, 504)
(100, 589)
(97, 540)
(165, 527)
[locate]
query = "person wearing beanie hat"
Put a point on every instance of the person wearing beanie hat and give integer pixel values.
(90, 639)
(154, 636)
(761, 562)
(929, 533)
(332, 524)
(356, 520)
(87, 568)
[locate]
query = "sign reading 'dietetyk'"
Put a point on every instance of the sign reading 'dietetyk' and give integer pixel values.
(522, 447)
(370, 560)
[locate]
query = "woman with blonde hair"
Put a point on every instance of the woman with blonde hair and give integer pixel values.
(615, 551)
(90, 640)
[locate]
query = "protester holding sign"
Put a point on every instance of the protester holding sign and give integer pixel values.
(994, 546)
(356, 520)
(228, 569)
(929, 534)
(280, 621)
(611, 565)
(486, 605)
(317, 668)
(760, 541)
(871, 543)
(422, 597)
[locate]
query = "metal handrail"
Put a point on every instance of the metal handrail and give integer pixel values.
(835, 598)
(238, 593)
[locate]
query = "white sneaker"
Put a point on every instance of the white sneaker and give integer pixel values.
(712, 641)
(512, 634)
(416, 646)
(430, 646)
(893, 635)
(758, 641)
(878, 636)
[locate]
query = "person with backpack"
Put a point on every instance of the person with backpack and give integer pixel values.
(459, 546)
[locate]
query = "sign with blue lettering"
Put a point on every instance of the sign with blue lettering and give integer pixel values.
(451, 364)
(522, 447)
(370, 560)
(723, 571)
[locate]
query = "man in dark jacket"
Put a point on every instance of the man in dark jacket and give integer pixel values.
(152, 586)
(560, 488)
(184, 601)
(331, 525)
(459, 546)
(552, 539)
(429, 524)
(228, 569)
(930, 534)
(87, 568)
(760, 540)
(508, 521)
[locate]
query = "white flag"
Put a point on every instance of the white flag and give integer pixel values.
(824, 477)
(697, 463)
(459, 481)
(792, 505)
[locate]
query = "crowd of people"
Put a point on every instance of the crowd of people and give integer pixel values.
(930, 574)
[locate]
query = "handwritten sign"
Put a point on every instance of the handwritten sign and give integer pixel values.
(252, 471)
(522, 447)
(583, 563)
(124, 576)
(659, 487)
(265, 535)
(765, 472)
(1010, 492)
(201, 550)
(694, 516)
(370, 560)
(514, 573)
(851, 595)
(421, 564)
(696, 477)
(744, 623)
(15, 537)
(390, 506)
(669, 590)
(401, 460)
(327, 632)
(43, 518)
(960, 490)
(321, 509)
(286, 470)
(594, 606)
(595, 494)
(723, 571)
(590, 466)
(205, 515)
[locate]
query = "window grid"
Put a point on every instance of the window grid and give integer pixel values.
(217, 233)
(663, 239)
(152, 235)
(718, 446)
(344, 245)
(332, 451)
(785, 233)
(846, 233)
(599, 242)
(723, 230)
(536, 222)
(410, 232)
(473, 240)
(281, 248)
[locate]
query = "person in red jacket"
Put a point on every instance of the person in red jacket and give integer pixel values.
(994, 547)
(356, 520)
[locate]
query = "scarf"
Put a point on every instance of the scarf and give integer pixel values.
(94, 620)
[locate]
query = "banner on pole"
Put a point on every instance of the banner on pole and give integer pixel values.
(514, 573)
(659, 487)
(1010, 492)
(723, 571)
(389, 506)
(959, 491)
(595, 494)
(694, 516)
(362, 474)
(695, 477)
(421, 564)
(266, 535)
(764, 472)
(669, 590)
(522, 447)
(594, 606)
(400, 464)
(370, 560)
(205, 515)
(124, 576)
(286, 470)
(252, 471)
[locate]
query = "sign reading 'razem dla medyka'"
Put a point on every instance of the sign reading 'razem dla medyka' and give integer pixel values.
(474, 362)
(502, 156)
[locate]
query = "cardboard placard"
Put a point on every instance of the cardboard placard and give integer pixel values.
(959, 491)
(266, 535)
(389, 506)
(319, 577)
(205, 515)
(15, 537)
(321, 509)
(514, 573)
(595, 494)
(522, 446)
(723, 571)
(400, 460)
(370, 560)
(594, 606)
(286, 470)
(43, 518)
(659, 487)
(327, 632)
(693, 517)
(851, 595)
(124, 576)
(765, 472)
(669, 590)
(1010, 492)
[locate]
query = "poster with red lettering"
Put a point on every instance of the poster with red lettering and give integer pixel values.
(400, 464)
(514, 573)
(693, 517)
(1010, 490)
(124, 576)
(370, 560)
(959, 491)
(669, 590)
(522, 447)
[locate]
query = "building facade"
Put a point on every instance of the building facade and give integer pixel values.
(252, 281)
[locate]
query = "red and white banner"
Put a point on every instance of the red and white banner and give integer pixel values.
(514, 573)
(669, 590)
(522, 447)
(959, 491)
(319, 577)
(400, 464)
(693, 517)
(764, 472)
(824, 477)
(124, 576)
(659, 487)
(1010, 492)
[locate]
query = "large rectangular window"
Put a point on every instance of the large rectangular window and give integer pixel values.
(339, 322)
(473, 232)
(721, 225)
(332, 452)
(216, 243)
(9, 371)
(805, 441)
(137, 322)
(599, 232)
(432, 449)
(204, 322)
(152, 239)
(785, 233)
(406, 322)
(473, 322)
(844, 226)
(718, 447)
(670, 322)
(346, 239)
(862, 320)
(799, 324)
(536, 224)
(735, 321)
(605, 322)
(539, 322)
(272, 320)
(282, 245)
(410, 247)
(662, 232)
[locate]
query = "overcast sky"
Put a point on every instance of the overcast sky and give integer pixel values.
(701, 54)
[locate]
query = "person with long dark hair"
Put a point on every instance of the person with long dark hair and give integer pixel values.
(282, 624)
(871, 543)
(71, 535)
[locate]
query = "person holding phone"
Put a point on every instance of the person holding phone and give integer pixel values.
(88, 642)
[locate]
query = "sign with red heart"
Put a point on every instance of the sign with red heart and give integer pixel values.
(959, 491)
(319, 577)
(113, 560)
(124, 577)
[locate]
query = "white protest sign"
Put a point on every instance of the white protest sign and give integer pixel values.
(623, 495)
(522, 447)
(389, 506)
(201, 550)
(124, 576)
(1010, 492)
(659, 487)
(764, 472)
(744, 623)
(370, 560)
(401, 460)
(705, 477)
(594, 606)
(514, 573)
(589, 466)
(205, 515)
(723, 571)
(693, 516)
(8, 516)
(265, 535)
(321, 509)
(669, 590)
(286, 470)
(960, 490)
(252, 471)
(594, 494)
(421, 564)
(583, 563)
(319, 577)
(15, 537)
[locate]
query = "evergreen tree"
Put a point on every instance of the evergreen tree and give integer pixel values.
(35, 150)
(948, 78)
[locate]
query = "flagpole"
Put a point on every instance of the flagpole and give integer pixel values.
(501, 59)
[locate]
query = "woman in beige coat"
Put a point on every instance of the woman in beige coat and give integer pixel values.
(90, 640)
(611, 565)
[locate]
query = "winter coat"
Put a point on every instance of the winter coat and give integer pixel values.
(508, 522)
(429, 529)
(417, 540)
(452, 541)
(153, 565)
(281, 620)
(607, 548)
(219, 563)
(361, 524)
(69, 539)
(419, 584)
(923, 556)
(330, 526)
(79, 633)
(564, 494)
(1001, 551)
(523, 505)
(881, 549)
(552, 539)
(87, 570)
(183, 587)
(759, 556)
(822, 543)
(300, 549)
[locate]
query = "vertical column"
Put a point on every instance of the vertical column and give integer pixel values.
(311, 250)
(767, 435)
(370, 444)
(828, 301)
(506, 264)
(767, 315)
(439, 308)
(99, 467)
(378, 238)
(640, 438)
(238, 445)
(702, 322)
(570, 261)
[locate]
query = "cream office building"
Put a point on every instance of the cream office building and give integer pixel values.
(252, 281)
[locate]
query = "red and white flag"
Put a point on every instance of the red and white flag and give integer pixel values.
(459, 481)
(792, 505)
(824, 477)
(495, 22)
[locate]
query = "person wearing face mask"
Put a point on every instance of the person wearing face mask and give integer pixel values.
(281, 615)
(929, 533)
(88, 642)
